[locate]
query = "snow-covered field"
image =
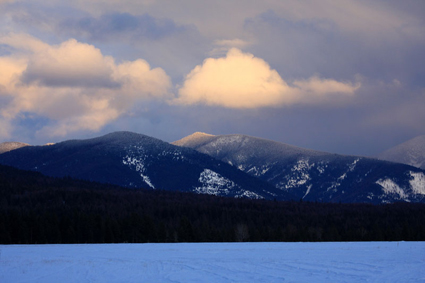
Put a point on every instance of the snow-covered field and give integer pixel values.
(215, 262)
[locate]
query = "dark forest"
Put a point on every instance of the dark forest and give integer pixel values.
(35, 209)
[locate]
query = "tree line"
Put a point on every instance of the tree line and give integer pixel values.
(35, 209)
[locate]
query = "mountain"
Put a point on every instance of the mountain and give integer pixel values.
(314, 175)
(411, 152)
(134, 160)
(8, 146)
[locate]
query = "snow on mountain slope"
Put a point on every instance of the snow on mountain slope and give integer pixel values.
(134, 160)
(213, 183)
(417, 183)
(242, 147)
(313, 175)
(8, 146)
(411, 152)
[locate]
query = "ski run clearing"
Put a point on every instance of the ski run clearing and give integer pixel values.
(215, 262)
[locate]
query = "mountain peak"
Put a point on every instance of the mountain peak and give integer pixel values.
(195, 138)
(8, 146)
(236, 143)
(122, 137)
(411, 152)
(200, 134)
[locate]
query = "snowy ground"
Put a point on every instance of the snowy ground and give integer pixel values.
(215, 262)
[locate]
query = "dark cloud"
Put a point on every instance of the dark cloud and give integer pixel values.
(57, 77)
(300, 48)
(121, 25)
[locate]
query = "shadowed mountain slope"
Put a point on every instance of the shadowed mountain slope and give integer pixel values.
(314, 175)
(134, 160)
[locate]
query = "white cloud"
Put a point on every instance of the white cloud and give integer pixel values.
(73, 84)
(137, 75)
(240, 80)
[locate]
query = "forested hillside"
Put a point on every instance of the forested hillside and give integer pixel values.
(39, 209)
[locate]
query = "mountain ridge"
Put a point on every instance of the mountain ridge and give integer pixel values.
(136, 160)
(8, 146)
(411, 152)
(224, 165)
(314, 175)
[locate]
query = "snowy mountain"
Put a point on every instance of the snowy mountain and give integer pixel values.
(314, 175)
(134, 160)
(8, 146)
(411, 152)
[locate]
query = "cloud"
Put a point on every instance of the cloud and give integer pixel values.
(98, 113)
(5, 129)
(301, 44)
(241, 80)
(10, 71)
(111, 26)
(381, 18)
(174, 46)
(23, 43)
(236, 42)
(316, 90)
(73, 84)
(70, 64)
(224, 45)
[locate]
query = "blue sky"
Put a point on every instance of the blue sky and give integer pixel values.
(340, 76)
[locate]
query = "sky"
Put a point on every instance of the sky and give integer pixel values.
(342, 76)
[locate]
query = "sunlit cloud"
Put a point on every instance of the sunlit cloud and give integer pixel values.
(73, 84)
(70, 64)
(241, 80)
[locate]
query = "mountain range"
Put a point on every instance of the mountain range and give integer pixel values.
(227, 165)
(314, 175)
(134, 160)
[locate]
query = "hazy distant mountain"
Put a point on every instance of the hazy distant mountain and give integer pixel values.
(411, 152)
(314, 175)
(8, 146)
(135, 160)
